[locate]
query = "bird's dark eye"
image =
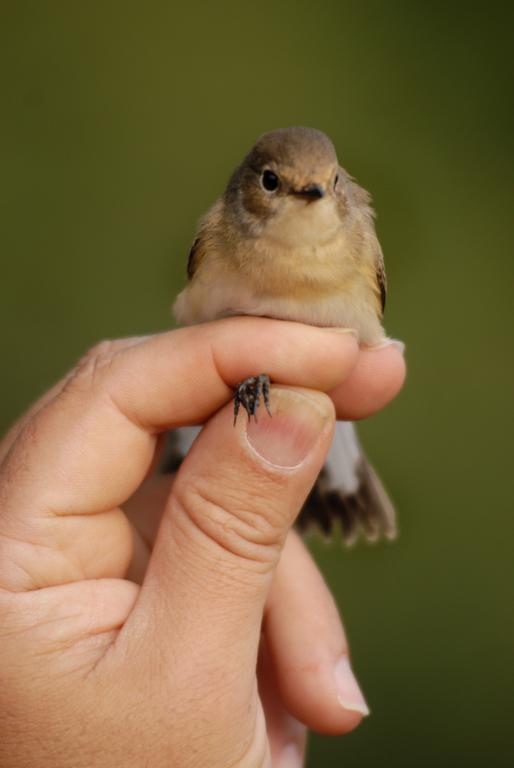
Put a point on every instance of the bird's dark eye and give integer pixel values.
(336, 180)
(269, 180)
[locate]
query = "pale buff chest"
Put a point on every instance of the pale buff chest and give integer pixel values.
(327, 284)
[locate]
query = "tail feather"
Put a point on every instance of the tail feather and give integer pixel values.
(348, 492)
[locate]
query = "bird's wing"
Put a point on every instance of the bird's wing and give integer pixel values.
(381, 278)
(192, 261)
(361, 199)
(205, 238)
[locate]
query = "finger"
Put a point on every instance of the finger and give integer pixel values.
(376, 379)
(88, 449)
(385, 371)
(308, 647)
(287, 737)
(10, 437)
(232, 503)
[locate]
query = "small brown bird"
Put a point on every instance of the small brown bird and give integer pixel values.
(293, 238)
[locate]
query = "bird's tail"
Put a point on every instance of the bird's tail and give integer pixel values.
(349, 494)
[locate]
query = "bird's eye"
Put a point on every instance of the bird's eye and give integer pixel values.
(269, 181)
(336, 180)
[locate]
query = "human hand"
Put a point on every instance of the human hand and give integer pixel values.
(98, 670)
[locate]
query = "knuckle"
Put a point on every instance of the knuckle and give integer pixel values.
(242, 523)
(99, 354)
(90, 367)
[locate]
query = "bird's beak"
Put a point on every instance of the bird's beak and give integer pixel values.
(310, 192)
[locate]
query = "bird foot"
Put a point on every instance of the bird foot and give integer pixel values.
(248, 394)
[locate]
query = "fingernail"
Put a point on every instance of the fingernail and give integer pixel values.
(290, 757)
(350, 331)
(349, 694)
(297, 420)
(396, 343)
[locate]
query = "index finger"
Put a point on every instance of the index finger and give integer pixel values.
(191, 372)
(87, 449)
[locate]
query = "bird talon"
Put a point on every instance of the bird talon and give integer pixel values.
(248, 394)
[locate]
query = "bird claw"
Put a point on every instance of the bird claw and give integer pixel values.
(248, 394)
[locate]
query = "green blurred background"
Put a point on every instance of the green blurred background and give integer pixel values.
(120, 124)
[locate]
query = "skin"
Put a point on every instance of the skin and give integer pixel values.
(131, 606)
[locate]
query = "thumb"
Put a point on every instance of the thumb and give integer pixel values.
(232, 504)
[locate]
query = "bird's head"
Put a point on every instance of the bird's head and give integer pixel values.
(289, 187)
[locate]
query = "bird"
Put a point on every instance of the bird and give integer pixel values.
(293, 238)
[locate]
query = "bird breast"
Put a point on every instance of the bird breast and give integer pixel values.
(325, 284)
